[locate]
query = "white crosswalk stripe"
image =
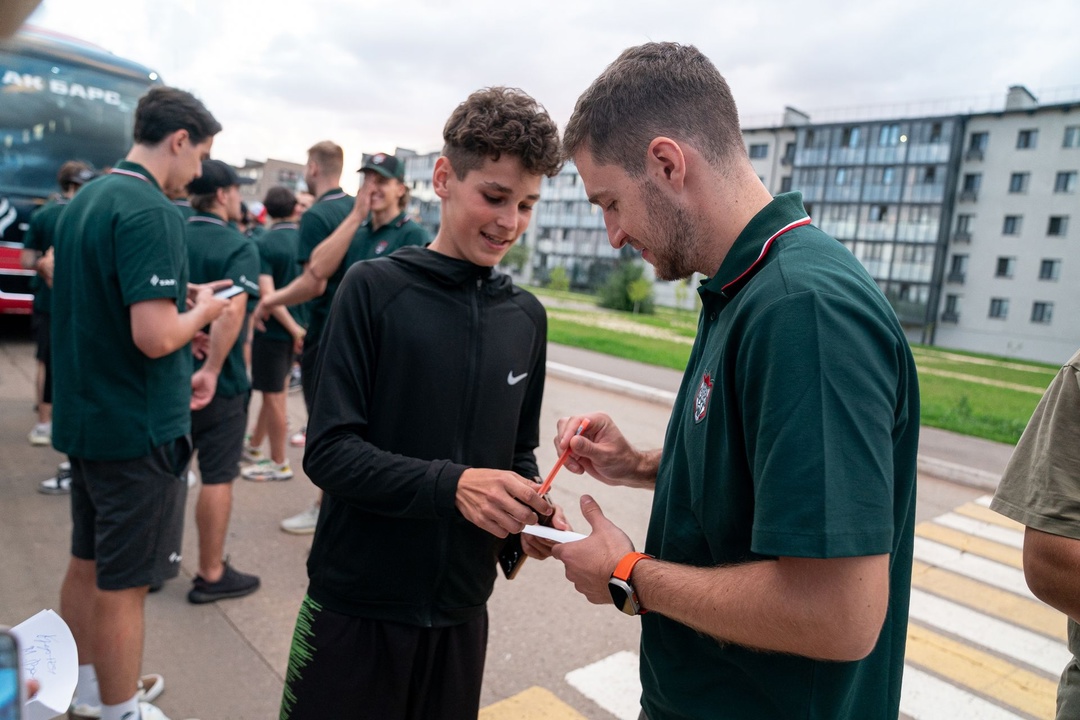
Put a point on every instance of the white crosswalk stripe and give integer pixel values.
(972, 566)
(925, 697)
(984, 530)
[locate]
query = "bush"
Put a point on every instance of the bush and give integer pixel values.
(627, 289)
(516, 257)
(558, 279)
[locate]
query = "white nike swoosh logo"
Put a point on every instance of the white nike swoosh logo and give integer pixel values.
(513, 379)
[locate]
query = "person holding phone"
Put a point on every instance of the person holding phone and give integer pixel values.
(422, 436)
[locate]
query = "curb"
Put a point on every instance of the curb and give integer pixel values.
(935, 467)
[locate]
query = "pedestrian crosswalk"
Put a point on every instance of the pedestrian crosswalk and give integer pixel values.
(980, 645)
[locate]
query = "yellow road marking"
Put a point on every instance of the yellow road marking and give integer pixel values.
(1002, 604)
(981, 672)
(970, 544)
(536, 703)
(985, 514)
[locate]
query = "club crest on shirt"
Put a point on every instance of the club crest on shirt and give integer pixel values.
(381, 247)
(701, 399)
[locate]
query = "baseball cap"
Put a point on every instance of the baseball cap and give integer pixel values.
(386, 165)
(74, 172)
(216, 174)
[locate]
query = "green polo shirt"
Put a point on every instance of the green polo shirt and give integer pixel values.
(40, 236)
(119, 242)
(369, 243)
(277, 258)
(316, 224)
(184, 206)
(219, 251)
(795, 434)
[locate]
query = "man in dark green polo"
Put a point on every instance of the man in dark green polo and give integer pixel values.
(376, 225)
(218, 250)
(37, 255)
(777, 565)
(123, 391)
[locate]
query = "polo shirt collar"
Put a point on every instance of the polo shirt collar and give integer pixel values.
(746, 254)
(397, 222)
(331, 195)
(284, 225)
(205, 217)
(131, 169)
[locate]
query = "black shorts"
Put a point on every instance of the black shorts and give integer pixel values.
(128, 515)
(308, 360)
(271, 361)
(217, 432)
(41, 323)
(350, 667)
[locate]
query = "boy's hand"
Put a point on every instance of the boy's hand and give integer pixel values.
(499, 501)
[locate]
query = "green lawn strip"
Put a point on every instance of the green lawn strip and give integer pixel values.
(992, 413)
(619, 344)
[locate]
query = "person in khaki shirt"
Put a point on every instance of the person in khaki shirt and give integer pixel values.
(1041, 489)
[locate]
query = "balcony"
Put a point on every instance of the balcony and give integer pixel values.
(787, 160)
(956, 277)
(969, 195)
(950, 316)
(973, 154)
(961, 237)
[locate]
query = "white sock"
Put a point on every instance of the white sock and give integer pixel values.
(86, 691)
(128, 710)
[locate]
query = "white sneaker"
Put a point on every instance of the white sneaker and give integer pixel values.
(59, 485)
(41, 435)
(302, 523)
(267, 470)
(150, 687)
(192, 479)
(299, 439)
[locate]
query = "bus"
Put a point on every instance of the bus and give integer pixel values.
(60, 99)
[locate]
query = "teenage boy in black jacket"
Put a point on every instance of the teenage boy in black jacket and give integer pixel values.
(422, 435)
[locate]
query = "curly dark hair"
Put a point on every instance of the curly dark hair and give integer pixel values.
(501, 120)
(652, 90)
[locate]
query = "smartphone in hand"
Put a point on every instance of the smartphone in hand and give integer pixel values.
(11, 682)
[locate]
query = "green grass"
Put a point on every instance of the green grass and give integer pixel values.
(968, 407)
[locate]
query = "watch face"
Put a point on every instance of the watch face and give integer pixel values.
(623, 596)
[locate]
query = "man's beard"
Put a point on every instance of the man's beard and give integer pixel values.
(676, 231)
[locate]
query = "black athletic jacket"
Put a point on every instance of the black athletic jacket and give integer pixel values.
(428, 366)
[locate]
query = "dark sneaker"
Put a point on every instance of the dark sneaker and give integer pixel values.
(233, 584)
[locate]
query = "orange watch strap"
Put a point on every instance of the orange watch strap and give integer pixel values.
(626, 565)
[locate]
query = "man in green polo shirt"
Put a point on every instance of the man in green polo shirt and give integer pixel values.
(123, 391)
(37, 255)
(216, 249)
(777, 564)
(376, 225)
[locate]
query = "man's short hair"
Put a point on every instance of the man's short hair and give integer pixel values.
(328, 156)
(280, 202)
(203, 202)
(653, 90)
(164, 110)
(73, 173)
(499, 120)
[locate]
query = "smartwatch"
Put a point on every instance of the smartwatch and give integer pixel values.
(622, 592)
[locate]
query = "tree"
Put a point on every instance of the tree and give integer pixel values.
(616, 292)
(516, 257)
(558, 279)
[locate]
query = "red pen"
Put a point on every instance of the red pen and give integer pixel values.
(562, 459)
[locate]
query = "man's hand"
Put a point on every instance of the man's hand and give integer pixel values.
(45, 265)
(539, 547)
(298, 341)
(203, 387)
(603, 452)
(362, 206)
(200, 345)
(499, 501)
(263, 309)
(590, 562)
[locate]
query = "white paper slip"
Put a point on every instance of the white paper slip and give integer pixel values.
(49, 656)
(552, 534)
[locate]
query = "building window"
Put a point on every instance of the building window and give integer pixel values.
(785, 184)
(849, 137)
(999, 308)
(935, 132)
(1042, 312)
(929, 176)
(951, 313)
(841, 176)
(889, 135)
(1005, 267)
(1072, 137)
(958, 268)
(1012, 225)
(789, 153)
(972, 181)
(879, 213)
(1018, 182)
(1026, 139)
(1059, 225)
(978, 141)
(1049, 269)
(1065, 182)
(759, 151)
(963, 225)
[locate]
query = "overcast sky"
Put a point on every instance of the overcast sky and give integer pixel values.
(377, 75)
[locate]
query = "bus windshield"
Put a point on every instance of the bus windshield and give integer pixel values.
(52, 112)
